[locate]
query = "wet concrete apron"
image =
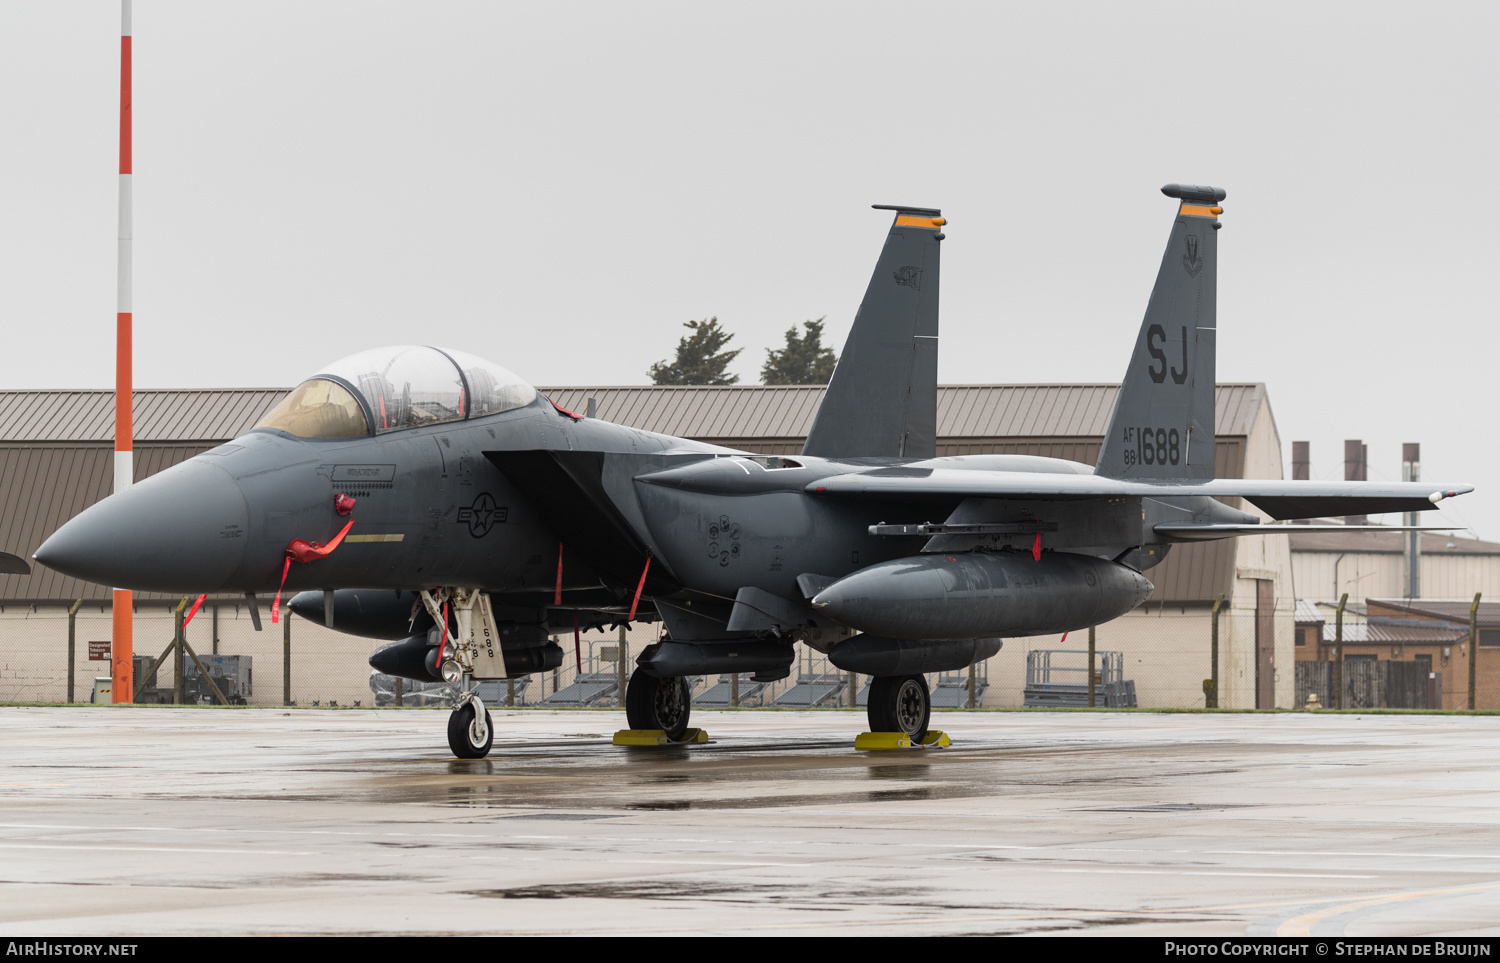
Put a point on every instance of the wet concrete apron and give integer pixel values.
(145, 821)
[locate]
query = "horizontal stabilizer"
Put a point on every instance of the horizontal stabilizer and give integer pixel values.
(1201, 533)
(1277, 498)
(13, 565)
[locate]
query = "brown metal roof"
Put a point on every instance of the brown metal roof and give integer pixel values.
(160, 415)
(1455, 611)
(736, 411)
(964, 411)
(1396, 631)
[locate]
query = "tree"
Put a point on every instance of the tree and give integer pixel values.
(804, 360)
(701, 359)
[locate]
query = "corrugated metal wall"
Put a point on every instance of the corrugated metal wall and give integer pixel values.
(44, 485)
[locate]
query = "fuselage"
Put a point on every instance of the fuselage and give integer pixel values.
(414, 468)
(430, 509)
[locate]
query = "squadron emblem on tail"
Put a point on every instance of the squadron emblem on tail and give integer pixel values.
(1191, 260)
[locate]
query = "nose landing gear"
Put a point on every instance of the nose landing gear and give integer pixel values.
(470, 733)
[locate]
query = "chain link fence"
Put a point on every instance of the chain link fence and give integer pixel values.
(1152, 658)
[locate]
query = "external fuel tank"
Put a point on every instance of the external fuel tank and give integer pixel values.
(978, 595)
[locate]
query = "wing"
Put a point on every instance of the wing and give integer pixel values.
(1279, 499)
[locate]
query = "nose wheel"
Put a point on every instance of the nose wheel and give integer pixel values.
(652, 703)
(900, 704)
(470, 733)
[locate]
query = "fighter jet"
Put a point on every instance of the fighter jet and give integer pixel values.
(434, 499)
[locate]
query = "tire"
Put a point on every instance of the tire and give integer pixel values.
(461, 733)
(900, 704)
(652, 703)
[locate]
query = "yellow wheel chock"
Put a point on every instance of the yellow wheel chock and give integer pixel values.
(935, 739)
(657, 737)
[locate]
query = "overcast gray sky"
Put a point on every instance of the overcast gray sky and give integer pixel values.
(559, 186)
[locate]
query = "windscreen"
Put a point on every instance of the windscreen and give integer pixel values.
(318, 409)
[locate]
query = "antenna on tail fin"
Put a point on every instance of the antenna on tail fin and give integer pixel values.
(1163, 422)
(882, 400)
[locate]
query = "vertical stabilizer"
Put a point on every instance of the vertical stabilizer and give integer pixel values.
(882, 401)
(1163, 422)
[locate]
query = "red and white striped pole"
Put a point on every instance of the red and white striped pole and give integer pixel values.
(122, 646)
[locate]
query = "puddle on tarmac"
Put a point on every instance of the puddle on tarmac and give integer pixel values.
(680, 779)
(1170, 808)
(676, 788)
(557, 816)
(698, 889)
(1073, 925)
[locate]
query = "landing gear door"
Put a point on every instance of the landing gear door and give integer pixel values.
(483, 639)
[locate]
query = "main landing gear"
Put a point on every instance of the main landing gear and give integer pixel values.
(653, 703)
(900, 703)
(470, 732)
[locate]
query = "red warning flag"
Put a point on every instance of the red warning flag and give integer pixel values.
(638, 586)
(301, 550)
(193, 611)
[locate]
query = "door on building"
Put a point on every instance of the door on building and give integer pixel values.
(1425, 680)
(1265, 644)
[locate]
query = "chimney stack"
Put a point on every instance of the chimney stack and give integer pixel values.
(1411, 470)
(1356, 461)
(1301, 468)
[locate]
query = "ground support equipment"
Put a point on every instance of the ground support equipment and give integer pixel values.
(875, 741)
(658, 737)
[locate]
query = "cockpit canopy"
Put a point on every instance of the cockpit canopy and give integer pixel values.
(406, 386)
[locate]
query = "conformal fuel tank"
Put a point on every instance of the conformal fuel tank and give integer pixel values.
(981, 595)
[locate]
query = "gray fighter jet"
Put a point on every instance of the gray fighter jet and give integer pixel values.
(431, 498)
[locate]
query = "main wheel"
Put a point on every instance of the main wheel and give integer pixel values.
(900, 704)
(463, 735)
(652, 703)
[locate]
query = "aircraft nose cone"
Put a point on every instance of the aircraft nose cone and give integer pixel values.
(183, 530)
